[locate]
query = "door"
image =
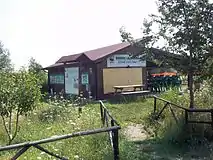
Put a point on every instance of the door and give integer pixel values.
(72, 80)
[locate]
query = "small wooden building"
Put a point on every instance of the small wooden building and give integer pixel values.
(94, 73)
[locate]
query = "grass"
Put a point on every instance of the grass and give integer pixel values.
(46, 122)
(49, 120)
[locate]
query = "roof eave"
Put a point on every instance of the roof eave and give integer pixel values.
(108, 55)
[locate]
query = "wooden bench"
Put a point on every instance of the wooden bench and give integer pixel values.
(135, 87)
(136, 92)
(132, 96)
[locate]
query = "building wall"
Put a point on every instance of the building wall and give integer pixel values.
(87, 68)
(99, 79)
(95, 70)
(56, 88)
(138, 74)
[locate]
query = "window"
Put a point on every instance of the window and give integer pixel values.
(85, 78)
(56, 79)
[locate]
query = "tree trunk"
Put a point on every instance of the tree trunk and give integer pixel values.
(191, 90)
(191, 73)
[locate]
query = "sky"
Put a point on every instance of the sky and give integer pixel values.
(49, 29)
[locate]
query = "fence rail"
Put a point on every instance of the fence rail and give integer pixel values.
(112, 129)
(171, 106)
(108, 120)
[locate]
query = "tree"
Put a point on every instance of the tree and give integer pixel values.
(36, 69)
(5, 61)
(125, 35)
(186, 28)
(19, 94)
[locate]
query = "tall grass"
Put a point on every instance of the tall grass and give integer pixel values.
(55, 119)
(188, 136)
(58, 118)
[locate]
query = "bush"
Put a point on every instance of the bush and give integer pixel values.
(19, 95)
(59, 106)
(168, 130)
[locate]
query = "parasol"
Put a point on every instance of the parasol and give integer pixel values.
(163, 72)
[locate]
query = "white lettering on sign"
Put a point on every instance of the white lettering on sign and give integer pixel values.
(124, 60)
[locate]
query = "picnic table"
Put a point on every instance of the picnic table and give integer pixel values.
(135, 87)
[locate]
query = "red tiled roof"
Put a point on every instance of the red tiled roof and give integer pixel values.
(95, 54)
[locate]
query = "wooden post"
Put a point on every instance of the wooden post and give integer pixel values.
(155, 104)
(112, 123)
(212, 117)
(111, 134)
(186, 116)
(50, 153)
(158, 116)
(115, 144)
(20, 152)
(106, 118)
(102, 117)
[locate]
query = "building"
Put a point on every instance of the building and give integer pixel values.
(95, 72)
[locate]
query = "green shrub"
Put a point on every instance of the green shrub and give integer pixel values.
(179, 133)
(58, 108)
(19, 95)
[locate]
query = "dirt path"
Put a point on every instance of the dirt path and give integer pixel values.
(135, 132)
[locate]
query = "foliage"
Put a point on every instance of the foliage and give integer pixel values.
(125, 35)
(191, 136)
(203, 97)
(58, 107)
(67, 121)
(40, 124)
(19, 94)
(185, 27)
(5, 61)
(36, 69)
(97, 146)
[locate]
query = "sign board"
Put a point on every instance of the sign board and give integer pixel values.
(56, 79)
(84, 78)
(125, 60)
(72, 80)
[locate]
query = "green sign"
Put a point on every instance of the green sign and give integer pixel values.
(84, 78)
(56, 79)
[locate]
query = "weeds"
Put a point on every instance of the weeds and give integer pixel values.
(167, 139)
(191, 136)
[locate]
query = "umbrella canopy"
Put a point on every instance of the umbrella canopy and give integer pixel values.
(163, 72)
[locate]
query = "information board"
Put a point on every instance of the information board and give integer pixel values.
(125, 60)
(56, 79)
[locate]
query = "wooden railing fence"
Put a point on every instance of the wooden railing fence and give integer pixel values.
(172, 107)
(109, 121)
(112, 129)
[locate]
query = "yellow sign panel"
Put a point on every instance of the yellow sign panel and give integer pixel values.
(121, 76)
